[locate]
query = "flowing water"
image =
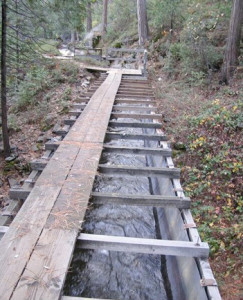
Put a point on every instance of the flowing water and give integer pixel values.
(118, 275)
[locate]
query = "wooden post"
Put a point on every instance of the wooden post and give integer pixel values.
(145, 59)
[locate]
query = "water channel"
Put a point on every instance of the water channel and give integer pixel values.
(117, 275)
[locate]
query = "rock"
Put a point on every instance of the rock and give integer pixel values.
(88, 78)
(166, 120)
(49, 120)
(159, 79)
(34, 148)
(179, 146)
(240, 125)
(41, 139)
(1, 183)
(10, 158)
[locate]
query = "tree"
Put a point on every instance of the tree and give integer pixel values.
(89, 17)
(143, 29)
(105, 16)
(233, 42)
(6, 144)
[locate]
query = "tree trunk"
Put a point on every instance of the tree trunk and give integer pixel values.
(105, 16)
(77, 36)
(73, 37)
(143, 30)
(17, 48)
(89, 17)
(4, 81)
(233, 42)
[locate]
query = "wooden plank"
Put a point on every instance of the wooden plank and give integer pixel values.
(20, 192)
(128, 50)
(122, 59)
(133, 97)
(78, 106)
(137, 150)
(135, 124)
(136, 92)
(140, 88)
(136, 116)
(18, 243)
(39, 164)
(134, 101)
(129, 94)
(52, 254)
(140, 200)
(139, 245)
(119, 170)
(9, 212)
(70, 121)
(127, 136)
(3, 230)
(133, 108)
(75, 113)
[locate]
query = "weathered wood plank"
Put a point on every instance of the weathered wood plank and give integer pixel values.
(119, 170)
(126, 136)
(78, 106)
(122, 100)
(135, 124)
(138, 151)
(133, 108)
(139, 245)
(3, 230)
(51, 257)
(131, 96)
(9, 212)
(39, 164)
(140, 200)
(128, 50)
(135, 92)
(136, 116)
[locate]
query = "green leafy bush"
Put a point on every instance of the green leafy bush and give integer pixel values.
(36, 80)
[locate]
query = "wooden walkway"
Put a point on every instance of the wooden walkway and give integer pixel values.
(36, 250)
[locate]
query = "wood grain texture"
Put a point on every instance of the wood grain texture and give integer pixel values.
(139, 245)
(45, 272)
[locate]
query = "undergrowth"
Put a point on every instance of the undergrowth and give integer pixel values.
(207, 125)
(40, 79)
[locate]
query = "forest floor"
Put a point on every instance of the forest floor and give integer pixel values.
(31, 123)
(205, 126)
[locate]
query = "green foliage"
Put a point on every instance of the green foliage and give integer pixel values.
(13, 123)
(122, 22)
(166, 13)
(196, 46)
(49, 47)
(213, 143)
(35, 81)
